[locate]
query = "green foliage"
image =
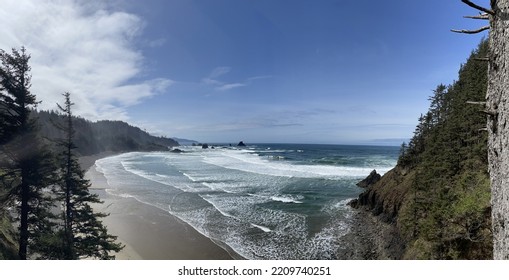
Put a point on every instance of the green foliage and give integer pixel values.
(35, 180)
(83, 234)
(96, 137)
(16, 101)
(447, 211)
(26, 165)
(7, 241)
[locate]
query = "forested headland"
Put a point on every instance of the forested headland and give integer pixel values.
(102, 136)
(45, 204)
(438, 196)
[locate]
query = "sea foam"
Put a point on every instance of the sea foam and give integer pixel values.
(292, 208)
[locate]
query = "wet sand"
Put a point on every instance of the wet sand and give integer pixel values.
(148, 232)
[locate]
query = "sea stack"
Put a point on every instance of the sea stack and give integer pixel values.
(241, 144)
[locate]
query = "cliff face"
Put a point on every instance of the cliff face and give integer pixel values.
(384, 200)
(437, 198)
(414, 233)
(385, 197)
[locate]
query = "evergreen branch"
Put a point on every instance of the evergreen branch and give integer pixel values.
(482, 58)
(472, 31)
(475, 6)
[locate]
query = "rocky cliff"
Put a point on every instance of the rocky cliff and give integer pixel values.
(383, 200)
(437, 198)
(385, 197)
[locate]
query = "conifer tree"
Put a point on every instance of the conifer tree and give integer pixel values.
(445, 214)
(26, 166)
(83, 233)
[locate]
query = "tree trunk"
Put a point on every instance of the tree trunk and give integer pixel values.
(23, 227)
(498, 126)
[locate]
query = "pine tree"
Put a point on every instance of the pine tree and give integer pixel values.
(83, 233)
(445, 214)
(26, 166)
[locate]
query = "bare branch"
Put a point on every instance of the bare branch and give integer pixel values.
(476, 103)
(482, 58)
(475, 6)
(484, 16)
(489, 113)
(471, 31)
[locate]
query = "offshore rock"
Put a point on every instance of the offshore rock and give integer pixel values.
(241, 144)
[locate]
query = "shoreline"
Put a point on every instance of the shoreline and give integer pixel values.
(148, 233)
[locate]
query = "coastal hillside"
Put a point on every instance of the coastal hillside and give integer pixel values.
(103, 136)
(437, 198)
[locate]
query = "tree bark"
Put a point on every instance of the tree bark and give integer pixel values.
(498, 126)
(23, 227)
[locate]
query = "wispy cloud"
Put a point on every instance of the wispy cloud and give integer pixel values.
(229, 86)
(258, 78)
(244, 125)
(84, 47)
(219, 71)
(214, 79)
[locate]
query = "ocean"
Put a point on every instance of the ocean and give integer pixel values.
(265, 201)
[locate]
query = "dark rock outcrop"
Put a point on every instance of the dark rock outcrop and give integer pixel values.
(241, 144)
(383, 200)
(367, 195)
(205, 146)
(385, 196)
(372, 178)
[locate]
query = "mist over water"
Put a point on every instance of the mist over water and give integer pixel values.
(270, 201)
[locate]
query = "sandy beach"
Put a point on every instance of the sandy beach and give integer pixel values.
(147, 232)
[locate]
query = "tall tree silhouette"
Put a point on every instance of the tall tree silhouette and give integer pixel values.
(27, 169)
(83, 234)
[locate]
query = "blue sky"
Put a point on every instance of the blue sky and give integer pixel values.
(344, 71)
